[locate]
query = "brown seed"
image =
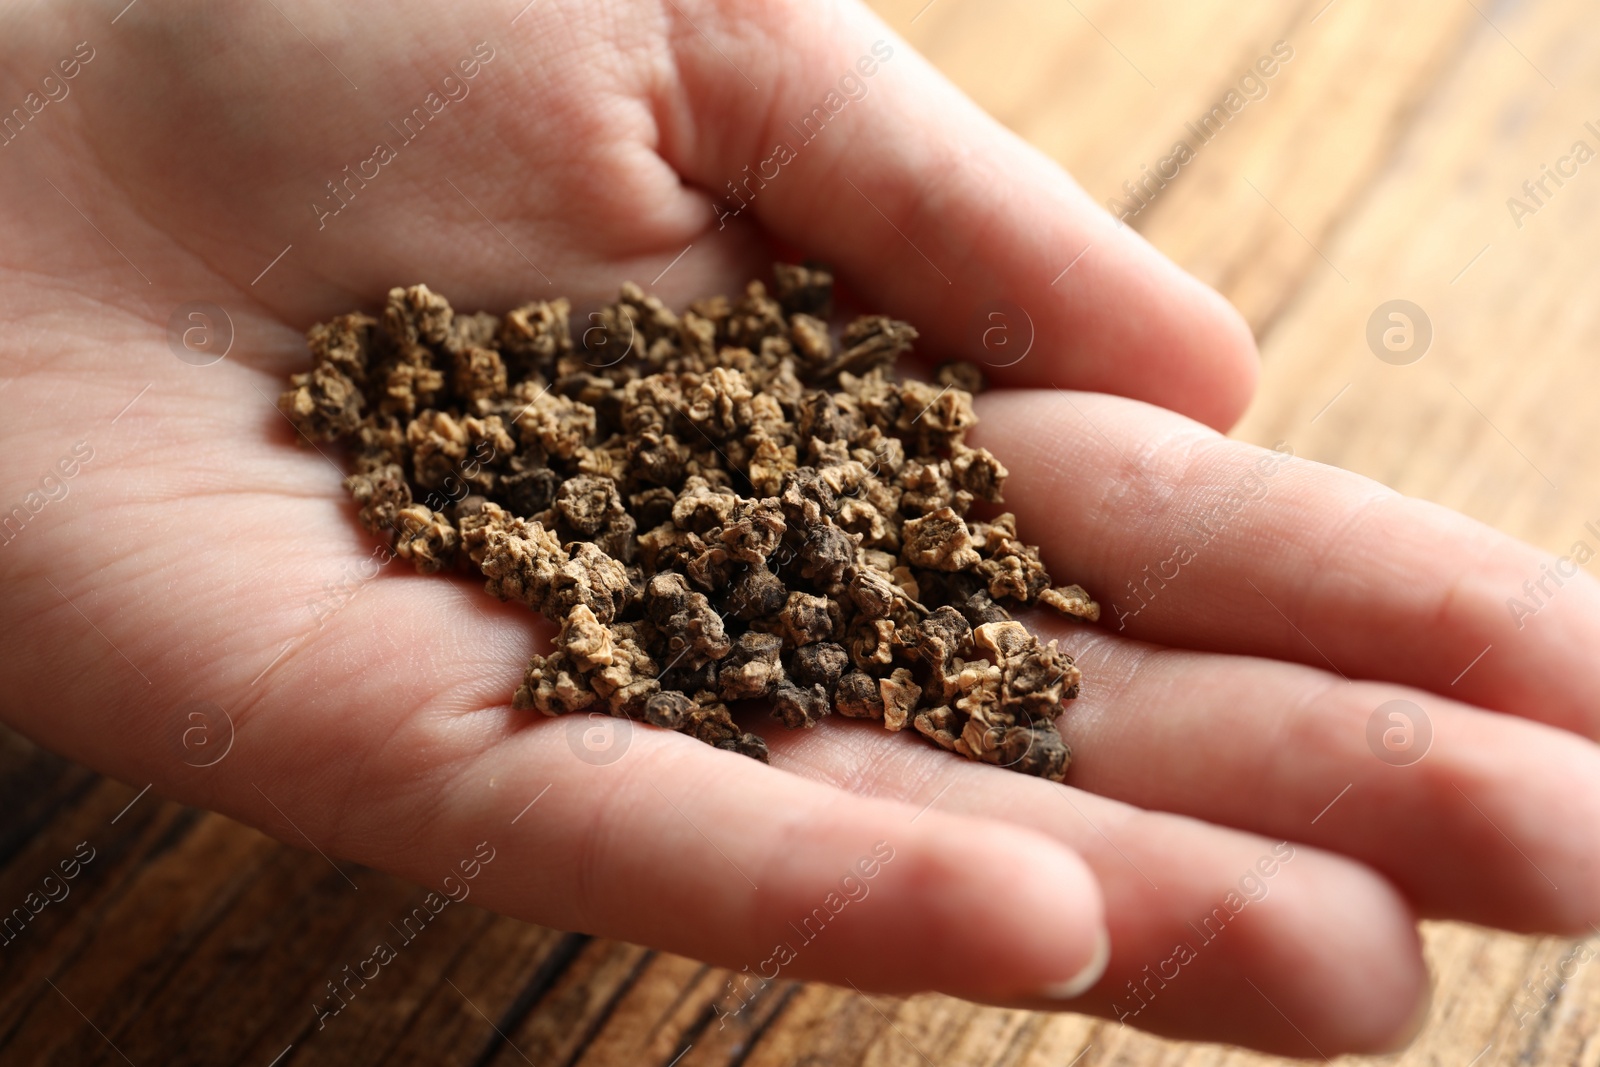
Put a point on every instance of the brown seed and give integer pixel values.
(716, 506)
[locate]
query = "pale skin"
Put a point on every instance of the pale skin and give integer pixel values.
(1221, 721)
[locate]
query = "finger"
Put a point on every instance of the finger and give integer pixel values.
(1189, 539)
(385, 738)
(714, 856)
(853, 148)
(1208, 925)
(1451, 803)
(709, 854)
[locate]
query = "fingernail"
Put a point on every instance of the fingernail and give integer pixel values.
(1085, 979)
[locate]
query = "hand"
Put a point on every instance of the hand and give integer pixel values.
(198, 557)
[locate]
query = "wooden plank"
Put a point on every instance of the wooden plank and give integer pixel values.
(1381, 161)
(1099, 85)
(1072, 80)
(1377, 166)
(1255, 211)
(1493, 420)
(471, 1014)
(832, 1026)
(659, 1015)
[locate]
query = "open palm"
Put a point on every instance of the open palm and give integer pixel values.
(1239, 790)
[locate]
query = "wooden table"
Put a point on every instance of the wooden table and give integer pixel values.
(1376, 167)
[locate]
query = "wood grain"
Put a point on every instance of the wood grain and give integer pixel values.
(1377, 166)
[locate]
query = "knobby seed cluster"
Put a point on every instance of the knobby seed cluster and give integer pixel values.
(728, 504)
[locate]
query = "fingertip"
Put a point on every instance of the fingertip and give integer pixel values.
(1409, 1030)
(1048, 918)
(1375, 989)
(1086, 979)
(1196, 353)
(985, 912)
(1228, 345)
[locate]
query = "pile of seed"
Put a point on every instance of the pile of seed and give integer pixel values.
(728, 504)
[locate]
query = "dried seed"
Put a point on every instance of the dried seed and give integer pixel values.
(716, 506)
